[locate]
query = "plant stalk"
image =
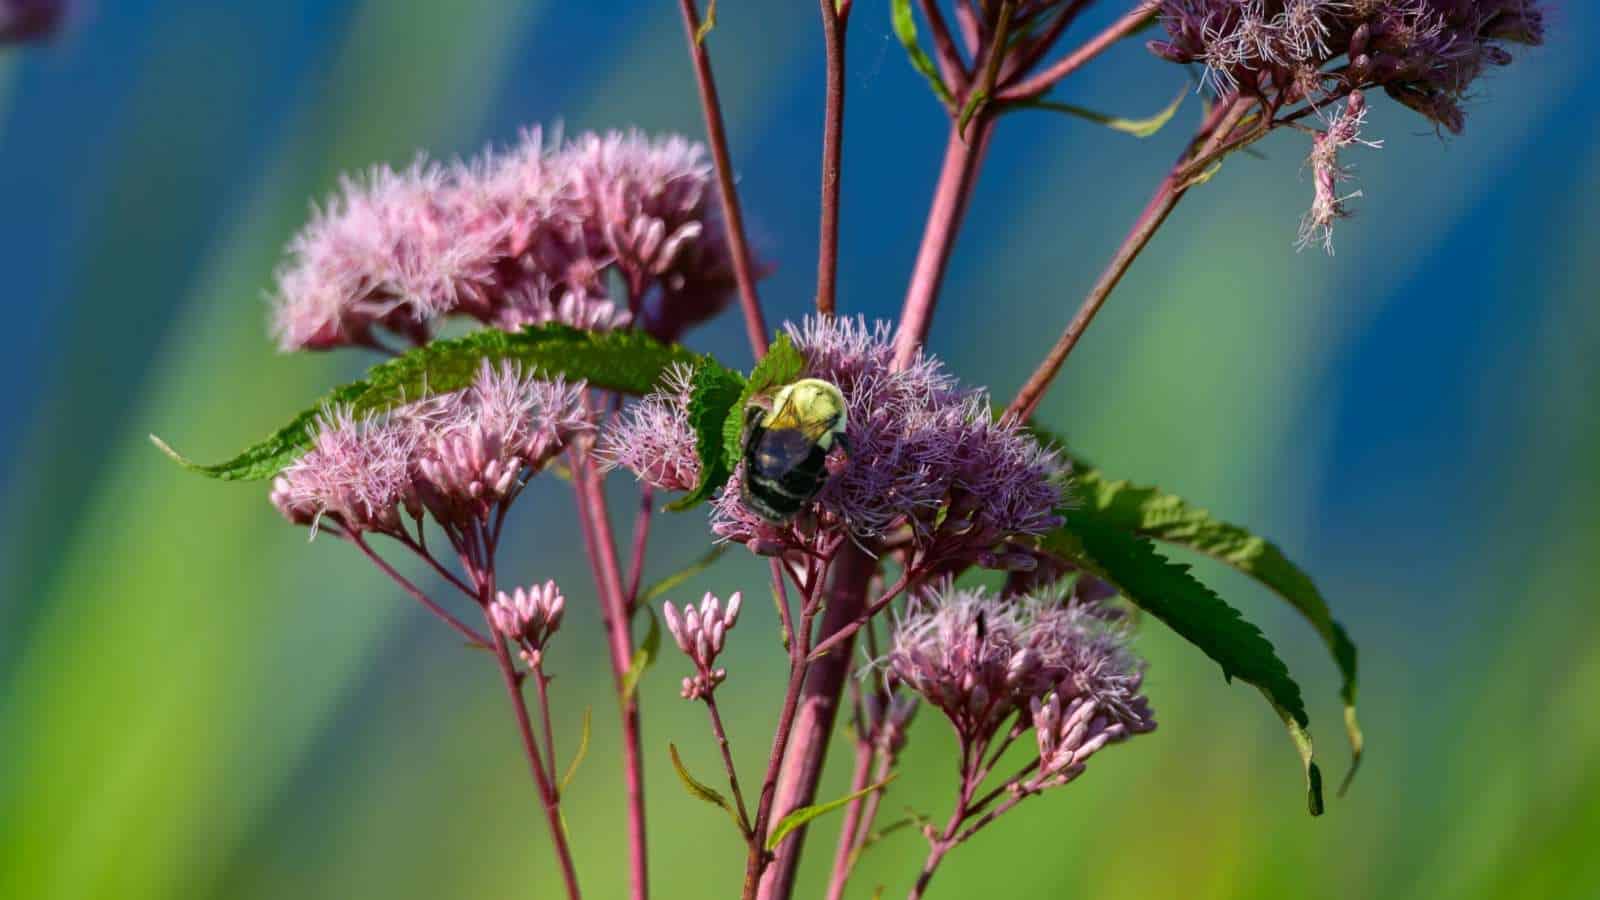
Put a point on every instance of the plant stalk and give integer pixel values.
(813, 726)
(716, 134)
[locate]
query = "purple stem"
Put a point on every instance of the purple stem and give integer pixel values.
(813, 724)
(743, 270)
(466, 631)
(601, 544)
(1219, 124)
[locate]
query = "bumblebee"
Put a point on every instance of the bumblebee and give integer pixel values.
(786, 449)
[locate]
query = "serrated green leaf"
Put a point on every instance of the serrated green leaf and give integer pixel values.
(905, 28)
(804, 814)
(582, 751)
(1169, 592)
(712, 394)
(706, 561)
(629, 362)
(643, 657)
(1139, 128)
(707, 24)
(700, 790)
(1167, 517)
(782, 364)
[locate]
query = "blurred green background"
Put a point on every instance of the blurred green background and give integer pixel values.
(194, 702)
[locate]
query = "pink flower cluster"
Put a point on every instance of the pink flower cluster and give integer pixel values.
(980, 658)
(458, 457)
(516, 237)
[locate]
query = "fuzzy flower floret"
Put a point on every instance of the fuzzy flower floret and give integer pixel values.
(458, 456)
(921, 453)
(476, 446)
(356, 475)
(653, 439)
(979, 658)
(390, 250)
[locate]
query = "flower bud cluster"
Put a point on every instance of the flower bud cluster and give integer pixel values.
(1068, 737)
(529, 617)
(700, 633)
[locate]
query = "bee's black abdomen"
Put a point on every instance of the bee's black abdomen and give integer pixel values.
(783, 470)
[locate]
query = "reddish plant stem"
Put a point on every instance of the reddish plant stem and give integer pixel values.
(727, 761)
(530, 748)
(799, 646)
(951, 67)
(845, 850)
(813, 725)
(716, 134)
(846, 631)
(957, 178)
(542, 683)
(1035, 85)
(834, 20)
(641, 536)
(939, 845)
(465, 630)
(1212, 133)
(602, 548)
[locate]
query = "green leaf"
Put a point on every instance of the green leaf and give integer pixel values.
(782, 364)
(1169, 592)
(583, 749)
(970, 109)
(1167, 517)
(709, 23)
(701, 791)
(905, 28)
(713, 393)
(643, 657)
(671, 582)
(805, 814)
(628, 362)
(1139, 128)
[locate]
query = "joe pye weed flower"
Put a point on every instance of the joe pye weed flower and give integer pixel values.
(908, 493)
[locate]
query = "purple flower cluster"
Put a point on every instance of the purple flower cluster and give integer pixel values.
(980, 658)
(458, 457)
(516, 237)
(1424, 53)
(925, 458)
(30, 20)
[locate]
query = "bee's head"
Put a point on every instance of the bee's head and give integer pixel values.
(813, 406)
